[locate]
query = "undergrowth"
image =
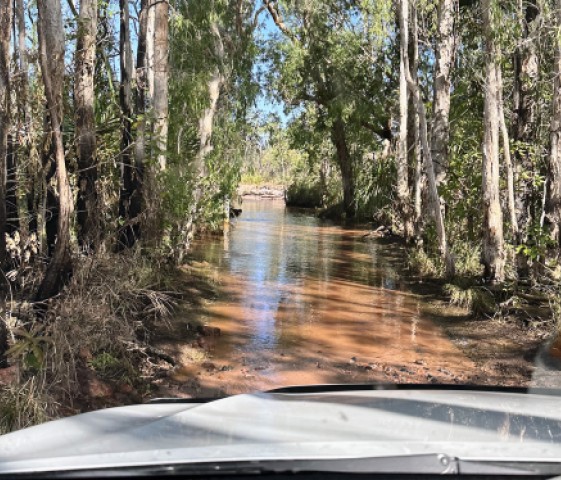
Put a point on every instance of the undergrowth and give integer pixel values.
(475, 299)
(23, 405)
(101, 323)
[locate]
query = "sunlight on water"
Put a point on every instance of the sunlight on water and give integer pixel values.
(307, 301)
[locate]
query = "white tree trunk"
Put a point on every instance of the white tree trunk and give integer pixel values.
(445, 50)
(403, 197)
(415, 146)
(509, 170)
(493, 242)
(160, 72)
(51, 56)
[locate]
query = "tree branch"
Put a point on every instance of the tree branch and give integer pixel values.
(256, 16)
(277, 18)
(72, 8)
(383, 132)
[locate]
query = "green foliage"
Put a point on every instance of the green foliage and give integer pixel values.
(199, 31)
(109, 367)
(468, 259)
(30, 347)
(341, 66)
(307, 195)
(422, 263)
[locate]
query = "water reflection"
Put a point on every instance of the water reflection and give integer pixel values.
(302, 296)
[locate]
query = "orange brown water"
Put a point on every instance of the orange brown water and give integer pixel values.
(307, 301)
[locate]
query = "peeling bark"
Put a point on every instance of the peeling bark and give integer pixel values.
(445, 53)
(160, 74)
(130, 231)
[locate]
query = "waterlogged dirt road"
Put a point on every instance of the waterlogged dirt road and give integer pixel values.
(304, 301)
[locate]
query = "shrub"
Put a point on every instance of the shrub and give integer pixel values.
(475, 299)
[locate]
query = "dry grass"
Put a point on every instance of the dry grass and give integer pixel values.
(475, 299)
(101, 322)
(25, 405)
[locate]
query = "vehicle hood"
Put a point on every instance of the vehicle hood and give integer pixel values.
(471, 425)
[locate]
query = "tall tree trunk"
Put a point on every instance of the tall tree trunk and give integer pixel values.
(157, 71)
(493, 242)
(84, 98)
(5, 24)
(130, 231)
(509, 170)
(150, 50)
(553, 206)
(438, 216)
(413, 142)
(445, 52)
(403, 196)
(526, 72)
(161, 73)
(5, 34)
(24, 114)
(344, 159)
(51, 55)
(206, 124)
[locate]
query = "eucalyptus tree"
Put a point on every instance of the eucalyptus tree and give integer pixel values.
(493, 254)
(403, 192)
(525, 122)
(211, 88)
(160, 67)
(444, 52)
(130, 230)
(84, 117)
(51, 59)
(24, 118)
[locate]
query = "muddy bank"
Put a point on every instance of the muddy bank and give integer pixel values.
(506, 350)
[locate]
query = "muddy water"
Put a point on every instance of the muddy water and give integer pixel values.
(306, 301)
